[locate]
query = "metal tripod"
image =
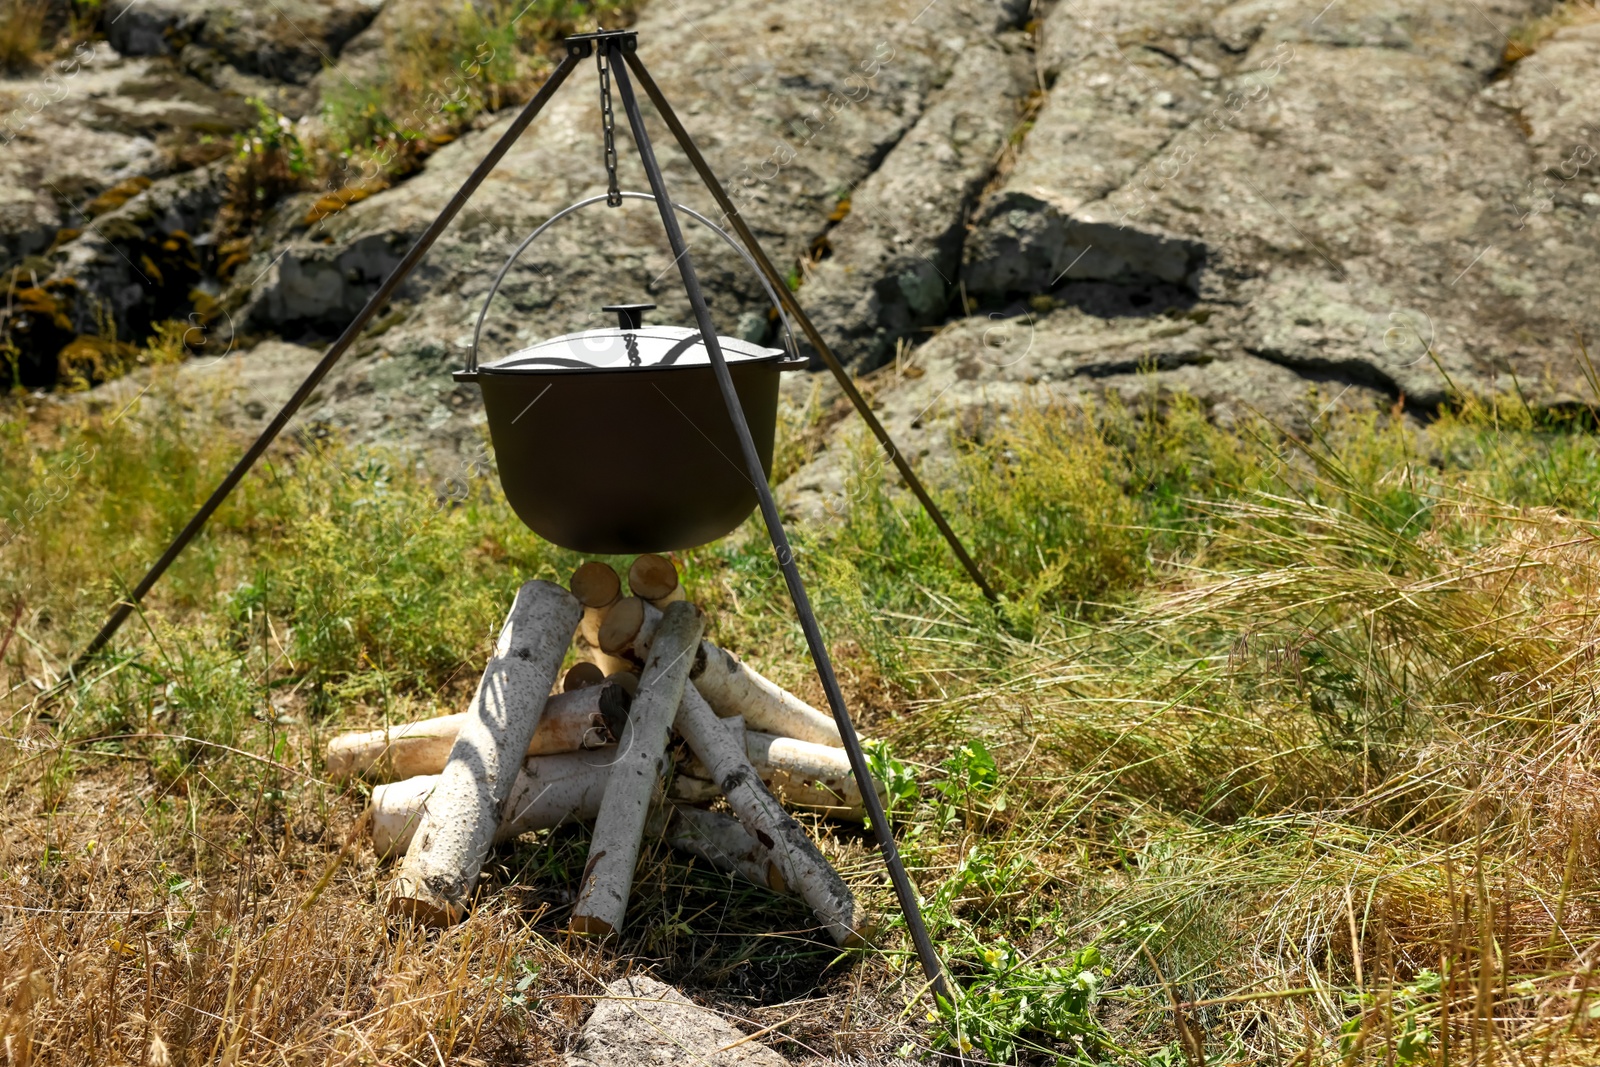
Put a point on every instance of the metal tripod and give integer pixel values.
(607, 45)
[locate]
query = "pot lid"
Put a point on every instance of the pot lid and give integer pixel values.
(614, 348)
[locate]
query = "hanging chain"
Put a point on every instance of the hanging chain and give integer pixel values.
(608, 125)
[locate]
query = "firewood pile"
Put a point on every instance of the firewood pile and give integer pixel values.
(651, 726)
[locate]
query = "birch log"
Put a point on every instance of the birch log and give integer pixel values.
(730, 686)
(734, 688)
(583, 718)
(435, 883)
(614, 849)
(719, 744)
(655, 579)
(723, 842)
(597, 588)
(550, 791)
(569, 788)
(801, 774)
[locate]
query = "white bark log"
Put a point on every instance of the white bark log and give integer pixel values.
(435, 883)
(801, 774)
(569, 788)
(550, 791)
(732, 687)
(723, 842)
(655, 579)
(719, 743)
(583, 718)
(614, 849)
(598, 589)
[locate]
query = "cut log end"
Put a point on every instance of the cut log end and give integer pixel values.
(590, 926)
(655, 579)
(411, 899)
(621, 626)
(595, 584)
(866, 928)
(581, 676)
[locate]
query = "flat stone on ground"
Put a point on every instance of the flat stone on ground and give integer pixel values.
(642, 1023)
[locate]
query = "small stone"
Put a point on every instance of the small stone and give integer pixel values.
(645, 1023)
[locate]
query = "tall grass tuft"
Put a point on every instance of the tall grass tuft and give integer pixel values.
(23, 25)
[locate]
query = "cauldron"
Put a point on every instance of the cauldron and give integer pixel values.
(616, 440)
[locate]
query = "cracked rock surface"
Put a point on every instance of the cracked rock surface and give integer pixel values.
(90, 122)
(1353, 176)
(286, 41)
(1273, 205)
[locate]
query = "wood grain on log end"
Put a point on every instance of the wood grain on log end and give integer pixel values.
(582, 675)
(621, 626)
(411, 899)
(595, 584)
(590, 926)
(655, 579)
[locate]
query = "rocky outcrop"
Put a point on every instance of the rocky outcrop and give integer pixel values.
(892, 262)
(1267, 203)
(102, 215)
(976, 371)
(91, 123)
(1350, 174)
(1276, 207)
(138, 263)
(284, 41)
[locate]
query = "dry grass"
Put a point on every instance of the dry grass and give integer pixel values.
(1526, 38)
(22, 33)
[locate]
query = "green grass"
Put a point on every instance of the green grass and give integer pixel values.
(1278, 751)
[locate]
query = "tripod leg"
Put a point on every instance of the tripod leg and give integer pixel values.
(780, 544)
(401, 271)
(781, 286)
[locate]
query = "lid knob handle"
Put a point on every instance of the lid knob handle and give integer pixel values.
(629, 316)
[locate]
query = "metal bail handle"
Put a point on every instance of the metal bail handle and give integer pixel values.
(772, 295)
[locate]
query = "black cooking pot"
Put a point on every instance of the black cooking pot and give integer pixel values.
(616, 440)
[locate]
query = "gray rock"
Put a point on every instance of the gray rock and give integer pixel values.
(1121, 91)
(91, 122)
(1346, 173)
(975, 373)
(1554, 92)
(286, 40)
(895, 257)
(138, 263)
(644, 1023)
